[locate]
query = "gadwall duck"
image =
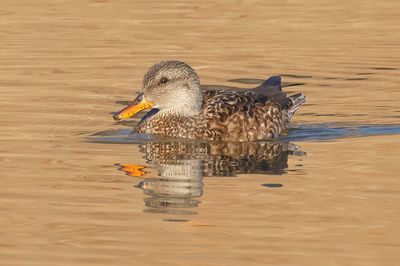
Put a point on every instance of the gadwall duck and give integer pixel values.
(181, 109)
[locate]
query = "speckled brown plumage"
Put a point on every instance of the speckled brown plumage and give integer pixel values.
(232, 115)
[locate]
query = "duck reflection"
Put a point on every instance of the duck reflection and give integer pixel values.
(182, 165)
(177, 186)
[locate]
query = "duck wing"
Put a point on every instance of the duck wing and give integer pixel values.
(220, 105)
(269, 91)
(251, 114)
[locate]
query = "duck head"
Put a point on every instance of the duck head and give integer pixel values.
(170, 86)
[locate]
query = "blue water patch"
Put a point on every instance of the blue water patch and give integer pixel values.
(120, 136)
(297, 132)
(317, 132)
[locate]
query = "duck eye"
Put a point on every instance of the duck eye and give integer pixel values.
(164, 80)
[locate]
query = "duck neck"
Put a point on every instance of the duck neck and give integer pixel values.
(183, 110)
(187, 106)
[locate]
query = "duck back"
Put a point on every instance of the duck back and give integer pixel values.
(250, 114)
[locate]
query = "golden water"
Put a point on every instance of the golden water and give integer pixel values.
(65, 65)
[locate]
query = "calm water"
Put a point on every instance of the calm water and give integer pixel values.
(79, 189)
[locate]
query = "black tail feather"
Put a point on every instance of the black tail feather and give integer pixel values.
(271, 90)
(296, 100)
(270, 87)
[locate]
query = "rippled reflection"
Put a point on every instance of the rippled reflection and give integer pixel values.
(182, 165)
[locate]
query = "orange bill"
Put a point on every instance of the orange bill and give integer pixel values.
(132, 169)
(135, 107)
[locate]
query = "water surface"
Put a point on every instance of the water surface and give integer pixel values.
(327, 194)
